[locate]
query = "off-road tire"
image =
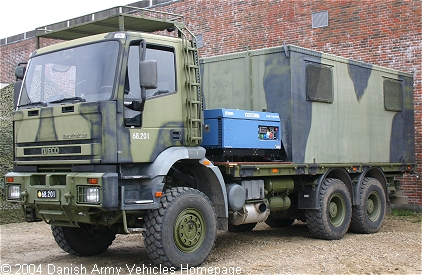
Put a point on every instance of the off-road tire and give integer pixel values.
(332, 220)
(279, 223)
(368, 217)
(85, 240)
(242, 227)
(183, 230)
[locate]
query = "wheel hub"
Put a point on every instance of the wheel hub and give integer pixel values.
(373, 206)
(370, 206)
(189, 230)
(333, 209)
(337, 210)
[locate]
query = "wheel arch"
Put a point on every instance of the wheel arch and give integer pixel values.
(210, 182)
(341, 174)
(371, 172)
(309, 198)
(208, 177)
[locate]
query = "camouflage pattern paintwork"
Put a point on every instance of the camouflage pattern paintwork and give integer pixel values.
(355, 127)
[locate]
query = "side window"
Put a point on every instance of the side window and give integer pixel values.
(319, 83)
(166, 71)
(166, 78)
(393, 95)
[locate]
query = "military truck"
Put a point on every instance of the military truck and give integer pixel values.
(121, 128)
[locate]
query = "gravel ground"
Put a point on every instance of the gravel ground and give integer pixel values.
(30, 248)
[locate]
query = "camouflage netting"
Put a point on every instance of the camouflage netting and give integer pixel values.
(6, 138)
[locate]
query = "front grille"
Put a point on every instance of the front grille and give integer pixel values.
(56, 158)
(55, 150)
(60, 151)
(51, 143)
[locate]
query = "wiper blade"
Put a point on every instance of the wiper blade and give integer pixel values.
(160, 92)
(43, 104)
(74, 99)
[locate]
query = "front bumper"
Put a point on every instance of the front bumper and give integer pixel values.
(63, 196)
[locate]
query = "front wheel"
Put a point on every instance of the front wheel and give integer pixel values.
(183, 230)
(332, 220)
(368, 217)
(85, 240)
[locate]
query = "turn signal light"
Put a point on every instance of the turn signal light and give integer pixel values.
(158, 194)
(93, 181)
(10, 179)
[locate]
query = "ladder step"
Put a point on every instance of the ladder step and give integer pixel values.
(194, 84)
(195, 120)
(136, 230)
(196, 138)
(193, 66)
(194, 102)
(51, 212)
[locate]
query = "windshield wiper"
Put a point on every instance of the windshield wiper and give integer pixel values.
(43, 104)
(74, 99)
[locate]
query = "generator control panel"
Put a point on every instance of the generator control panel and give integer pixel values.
(267, 132)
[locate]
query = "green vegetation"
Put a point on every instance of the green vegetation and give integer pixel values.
(11, 216)
(407, 215)
(9, 213)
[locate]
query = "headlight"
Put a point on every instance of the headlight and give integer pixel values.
(88, 194)
(13, 192)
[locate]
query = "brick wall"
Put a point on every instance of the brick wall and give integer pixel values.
(383, 32)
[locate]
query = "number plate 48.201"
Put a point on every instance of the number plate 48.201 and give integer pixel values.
(46, 194)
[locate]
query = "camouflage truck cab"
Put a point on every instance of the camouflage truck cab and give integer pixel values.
(110, 138)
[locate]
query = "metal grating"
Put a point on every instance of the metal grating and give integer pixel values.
(320, 19)
(199, 41)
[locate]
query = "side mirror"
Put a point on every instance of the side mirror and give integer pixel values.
(148, 74)
(17, 89)
(20, 72)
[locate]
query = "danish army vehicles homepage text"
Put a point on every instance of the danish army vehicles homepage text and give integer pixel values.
(120, 129)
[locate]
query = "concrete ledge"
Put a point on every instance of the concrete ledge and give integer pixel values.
(411, 207)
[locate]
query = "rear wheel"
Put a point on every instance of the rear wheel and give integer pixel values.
(182, 230)
(332, 220)
(368, 217)
(85, 240)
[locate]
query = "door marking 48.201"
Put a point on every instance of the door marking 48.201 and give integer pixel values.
(140, 135)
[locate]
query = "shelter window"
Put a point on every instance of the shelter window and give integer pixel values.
(393, 95)
(319, 83)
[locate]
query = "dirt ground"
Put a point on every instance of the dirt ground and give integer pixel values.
(29, 248)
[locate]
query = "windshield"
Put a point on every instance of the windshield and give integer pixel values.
(84, 73)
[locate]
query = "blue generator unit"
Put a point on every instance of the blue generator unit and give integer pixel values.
(229, 132)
